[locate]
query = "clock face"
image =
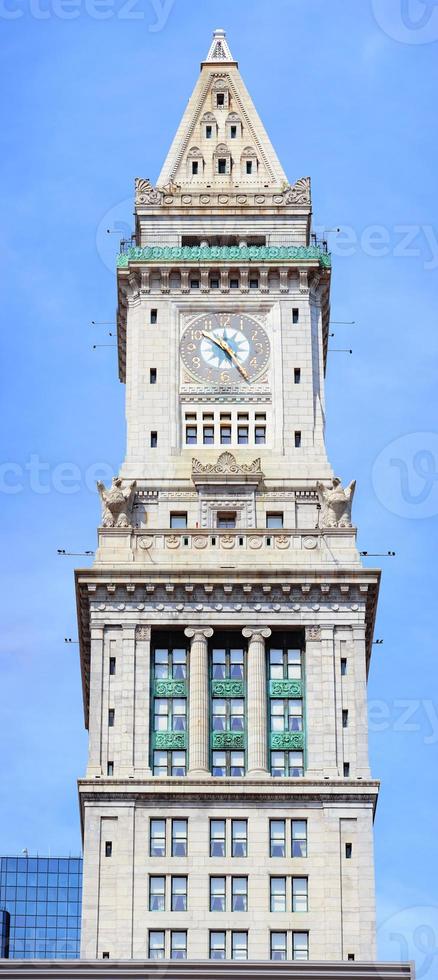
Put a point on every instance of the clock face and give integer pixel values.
(225, 348)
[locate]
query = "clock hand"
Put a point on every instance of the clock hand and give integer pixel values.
(225, 347)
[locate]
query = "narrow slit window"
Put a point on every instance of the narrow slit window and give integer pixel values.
(108, 848)
(249, 166)
(111, 717)
(297, 439)
(295, 315)
(343, 666)
(195, 168)
(348, 851)
(154, 440)
(110, 769)
(153, 376)
(345, 718)
(112, 666)
(222, 166)
(154, 316)
(346, 769)
(297, 376)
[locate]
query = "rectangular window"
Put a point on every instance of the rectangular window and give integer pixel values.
(239, 838)
(346, 769)
(108, 848)
(287, 764)
(217, 945)
(277, 838)
(214, 283)
(295, 315)
(286, 715)
(239, 894)
(228, 763)
(179, 838)
(179, 894)
(300, 945)
(253, 284)
(222, 166)
(170, 715)
(242, 435)
(220, 100)
(112, 666)
(217, 838)
(225, 435)
(299, 839)
(297, 438)
(344, 718)
(154, 316)
(111, 717)
(260, 435)
(194, 284)
(170, 663)
(297, 376)
(300, 901)
(234, 283)
(249, 166)
(208, 435)
(278, 946)
(169, 763)
(239, 945)
(156, 945)
(191, 435)
(153, 376)
(233, 132)
(195, 167)
(110, 769)
(157, 838)
(278, 894)
(208, 132)
(274, 520)
(157, 893)
(343, 666)
(178, 519)
(226, 521)
(154, 440)
(178, 945)
(348, 851)
(217, 894)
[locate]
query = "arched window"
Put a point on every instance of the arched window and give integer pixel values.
(195, 162)
(220, 94)
(233, 126)
(208, 126)
(249, 162)
(222, 160)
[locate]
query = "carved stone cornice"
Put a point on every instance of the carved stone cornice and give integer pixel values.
(227, 467)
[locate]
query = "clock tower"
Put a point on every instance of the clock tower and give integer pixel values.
(226, 624)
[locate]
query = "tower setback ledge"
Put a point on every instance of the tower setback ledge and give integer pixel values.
(202, 970)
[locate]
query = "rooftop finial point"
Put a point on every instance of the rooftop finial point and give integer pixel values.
(219, 50)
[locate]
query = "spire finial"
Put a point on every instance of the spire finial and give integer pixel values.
(219, 49)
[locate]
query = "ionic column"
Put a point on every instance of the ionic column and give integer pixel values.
(257, 701)
(199, 700)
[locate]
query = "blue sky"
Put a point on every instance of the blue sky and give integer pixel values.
(93, 91)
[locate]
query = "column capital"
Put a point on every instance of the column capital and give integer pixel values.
(250, 633)
(191, 632)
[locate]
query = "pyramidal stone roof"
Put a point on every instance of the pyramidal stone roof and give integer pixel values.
(222, 122)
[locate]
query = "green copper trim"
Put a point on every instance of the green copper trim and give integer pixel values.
(228, 740)
(285, 689)
(233, 253)
(170, 740)
(287, 740)
(228, 689)
(170, 689)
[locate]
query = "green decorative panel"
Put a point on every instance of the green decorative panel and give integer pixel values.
(228, 689)
(233, 253)
(287, 740)
(285, 689)
(228, 740)
(170, 689)
(170, 740)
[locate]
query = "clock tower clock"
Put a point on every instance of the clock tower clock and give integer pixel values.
(226, 624)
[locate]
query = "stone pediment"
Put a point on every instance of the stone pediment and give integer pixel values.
(227, 469)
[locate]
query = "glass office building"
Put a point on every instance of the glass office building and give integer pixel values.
(40, 907)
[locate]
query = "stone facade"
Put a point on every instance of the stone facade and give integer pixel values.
(225, 536)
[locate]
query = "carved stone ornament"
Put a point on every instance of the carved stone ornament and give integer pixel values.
(143, 633)
(298, 193)
(117, 503)
(335, 503)
(227, 465)
(146, 193)
(313, 632)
